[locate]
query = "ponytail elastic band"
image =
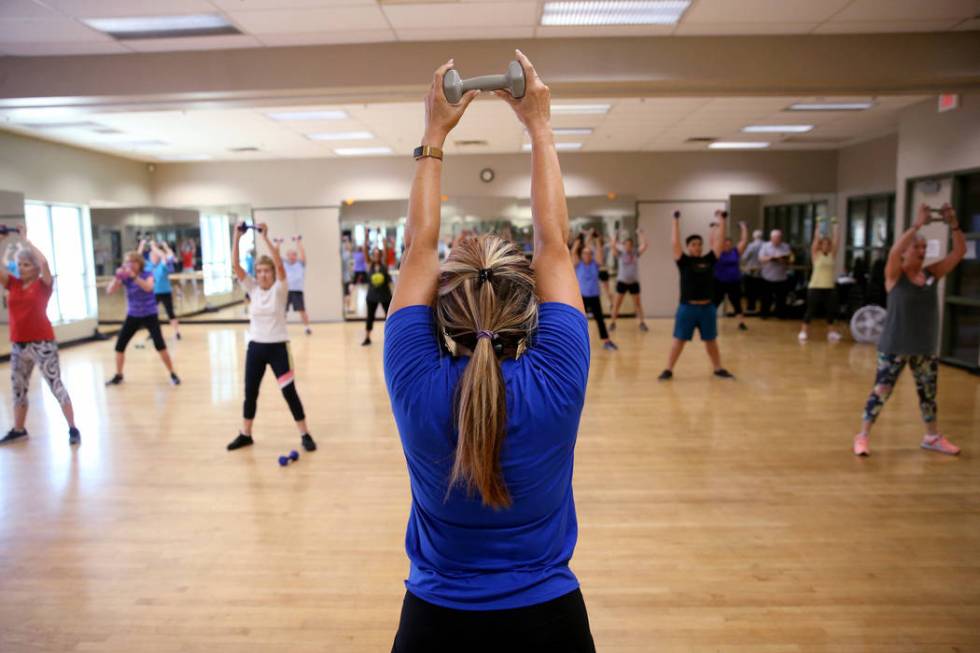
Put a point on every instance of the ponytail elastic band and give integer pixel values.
(486, 274)
(486, 334)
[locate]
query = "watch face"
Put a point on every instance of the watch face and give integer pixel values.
(486, 175)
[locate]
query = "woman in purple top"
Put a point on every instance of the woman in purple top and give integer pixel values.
(141, 312)
(728, 276)
(360, 265)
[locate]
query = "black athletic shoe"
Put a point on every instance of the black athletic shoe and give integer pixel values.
(308, 442)
(666, 375)
(174, 379)
(178, 335)
(241, 441)
(366, 343)
(115, 380)
(13, 434)
(74, 437)
(722, 373)
(742, 327)
(309, 331)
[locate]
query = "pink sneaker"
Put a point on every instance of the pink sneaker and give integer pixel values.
(861, 445)
(940, 444)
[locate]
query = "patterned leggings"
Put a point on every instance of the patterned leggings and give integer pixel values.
(22, 359)
(925, 370)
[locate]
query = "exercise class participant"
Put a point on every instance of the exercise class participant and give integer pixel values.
(268, 338)
(751, 272)
(775, 257)
(628, 276)
(600, 251)
(912, 328)
(587, 272)
(295, 267)
(696, 310)
(162, 259)
(728, 274)
(821, 294)
(141, 312)
(489, 430)
(379, 292)
(32, 338)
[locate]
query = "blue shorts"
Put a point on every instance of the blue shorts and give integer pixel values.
(704, 317)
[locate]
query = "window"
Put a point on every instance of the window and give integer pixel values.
(796, 222)
(216, 254)
(63, 233)
(870, 228)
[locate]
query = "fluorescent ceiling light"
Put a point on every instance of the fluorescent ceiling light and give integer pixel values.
(738, 145)
(579, 109)
(328, 114)
(830, 106)
(185, 157)
(341, 136)
(614, 12)
(361, 151)
(558, 146)
(158, 27)
(777, 129)
(572, 131)
(63, 125)
(139, 144)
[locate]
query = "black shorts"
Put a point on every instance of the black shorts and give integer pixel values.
(561, 624)
(295, 299)
(603, 275)
(821, 301)
(168, 304)
(360, 278)
(133, 324)
(631, 288)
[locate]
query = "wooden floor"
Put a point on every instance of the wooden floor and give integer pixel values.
(714, 515)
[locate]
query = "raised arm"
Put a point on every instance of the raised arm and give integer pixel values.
(554, 275)
(815, 240)
(944, 266)
(300, 251)
(419, 276)
(614, 244)
(236, 266)
(576, 251)
(834, 236)
(893, 266)
(641, 238)
(675, 236)
(743, 240)
(274, 250)
(4, 273)
(44, 270)
(718, 235)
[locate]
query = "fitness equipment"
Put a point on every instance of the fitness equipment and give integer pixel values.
(455, 87)
(677, 215)
(242, 228)
(4, 230)
(292, 457)
(867, 323)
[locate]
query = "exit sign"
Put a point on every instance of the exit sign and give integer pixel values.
(948, 102)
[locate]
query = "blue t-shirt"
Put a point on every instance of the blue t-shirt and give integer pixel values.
(464, 555)
(588, 278)
(295, 275)
(161, 277)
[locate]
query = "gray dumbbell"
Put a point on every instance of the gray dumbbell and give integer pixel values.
(513, 80)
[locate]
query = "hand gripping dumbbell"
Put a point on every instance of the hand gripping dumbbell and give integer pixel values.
(513, 80)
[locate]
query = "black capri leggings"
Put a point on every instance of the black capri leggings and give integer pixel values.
(821, 300)
(594, 305)
(731, 290)
(168, 303)
(133, 324)
(372, 308)
(561, 624)
(276, 355)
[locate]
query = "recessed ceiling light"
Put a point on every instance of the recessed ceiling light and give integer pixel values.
(328, 114)
(579, 109)
(830, 106)
(738, 145)
(777, 129)
(361, 151)
(558, 146)
(341, 136)
(160, 27)
(614, 12)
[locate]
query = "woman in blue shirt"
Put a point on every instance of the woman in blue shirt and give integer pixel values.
(486, 361)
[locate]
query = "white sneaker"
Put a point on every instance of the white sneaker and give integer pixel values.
(833, 336)
(802, 337)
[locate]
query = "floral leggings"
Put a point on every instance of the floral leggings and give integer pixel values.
(23, 357)
(925, 369)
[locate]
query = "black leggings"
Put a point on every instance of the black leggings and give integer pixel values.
(734, 293)
(276, 355)
(821, 300)
(594, 305)
(561, 624)
(168, 304)
(372, 308)
(134, 324)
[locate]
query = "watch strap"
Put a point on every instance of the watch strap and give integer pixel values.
(423, 151)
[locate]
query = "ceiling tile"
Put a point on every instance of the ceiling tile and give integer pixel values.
(477, 14)
(56, 30)
(969, 25)
(886, 26)
(746, 28)
(463, 33)
(25, 9)
(108, 8)
(326, 38)
(885, 10)
(250, 5)
(59, 49)
(228, 42)
(761, 11)
(303, 21)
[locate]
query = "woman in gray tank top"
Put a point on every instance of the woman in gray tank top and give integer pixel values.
(628, 276)
(912, 329)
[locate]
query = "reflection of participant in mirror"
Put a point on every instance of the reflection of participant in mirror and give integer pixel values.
(752, 272)
(32, 338)
(141, 312)
(346, 271)
(587, 272)
(696, 310)
(628, 276)
(187, 253)
(912, 328)
(295, 266)
(268, 342)
(162, 261)
(379, 292)
(821, 294)
(455, 414)
(600, 250)
(728, 276)
(10, 260)
(775, 257)
(360, 265)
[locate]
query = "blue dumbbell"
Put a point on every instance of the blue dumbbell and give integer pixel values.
(292, 457)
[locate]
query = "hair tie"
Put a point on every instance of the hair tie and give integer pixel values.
(486, 274)
(486, 334)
